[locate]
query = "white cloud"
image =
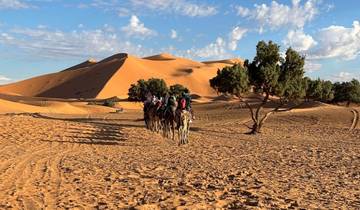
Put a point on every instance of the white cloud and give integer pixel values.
(215, 49)
(123, 12)
(236, 34)
(13, 4)
(4, 79)
(344, 76)
(299, 41)
(338, 42)
(279, 15)
(182, 7)
(137, 28)
(220, 48)
(311, 66)
(173, 34)
(242, 11)
(5, 37)
(59, 44)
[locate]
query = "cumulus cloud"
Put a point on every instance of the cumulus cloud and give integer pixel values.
(236, 34)
(344, 76)
(13, 4)
(242, 11)
(215, 50)
(311, 66)
(59, 44)
(339, 42)
(299, 41)
(137, 28)
(173, 34)
(276, 15)
(220, 48)
(182, 7)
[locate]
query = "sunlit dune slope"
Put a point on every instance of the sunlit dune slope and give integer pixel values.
(114, 75)
(50, 107)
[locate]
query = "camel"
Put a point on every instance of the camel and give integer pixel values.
(169, 121)
(151, 117)
(184, 127)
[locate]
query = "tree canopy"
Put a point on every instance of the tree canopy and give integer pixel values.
(231, 80)
(155, 86)
(347, 92)
(138, 91)
(268, 75)
(177, 90)
(319, 90)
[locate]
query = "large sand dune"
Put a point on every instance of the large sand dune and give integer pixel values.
(114, 75)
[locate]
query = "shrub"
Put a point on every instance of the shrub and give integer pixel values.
(109, 103)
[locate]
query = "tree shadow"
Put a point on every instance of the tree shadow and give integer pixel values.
(216, 133)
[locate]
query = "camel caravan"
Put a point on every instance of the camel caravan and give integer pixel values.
(167, 114)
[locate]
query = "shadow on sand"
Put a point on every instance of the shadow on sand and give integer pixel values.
(100, 133)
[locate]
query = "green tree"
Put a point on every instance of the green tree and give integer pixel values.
(291, 83)
(157, 87)
(138, 91)
(314, 90)
(347, 92)
(268, 75)
(231, 80)
(319, 90)
(178, 90)
(327, 91)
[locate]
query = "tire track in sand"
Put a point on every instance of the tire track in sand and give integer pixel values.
(32, 179)
(355, 119)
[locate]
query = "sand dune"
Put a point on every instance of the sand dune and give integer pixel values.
(51, 107)
(114, 75)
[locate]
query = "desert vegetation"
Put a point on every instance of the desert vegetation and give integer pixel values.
(157, 87)
(280, 80)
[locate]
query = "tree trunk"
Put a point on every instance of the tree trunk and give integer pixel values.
(255, 116)
(255, 129)
(259, 124)
(259, 121)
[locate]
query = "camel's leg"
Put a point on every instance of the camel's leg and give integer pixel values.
(187, 131)
(156, 125)
(179, 135)
(173, 129)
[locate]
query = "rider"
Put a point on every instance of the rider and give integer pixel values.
(148, 101)
(171, 101)
(185, 104)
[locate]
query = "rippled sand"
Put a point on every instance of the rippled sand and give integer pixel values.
(306, 159)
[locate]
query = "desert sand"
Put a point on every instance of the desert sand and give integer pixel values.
(114, 75)
(303, 159)
(57, 151)
(57, 107)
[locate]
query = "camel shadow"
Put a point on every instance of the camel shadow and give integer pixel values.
(92, 132)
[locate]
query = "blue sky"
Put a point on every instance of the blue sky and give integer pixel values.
(44, 36)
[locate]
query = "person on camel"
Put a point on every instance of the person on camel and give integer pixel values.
(185, 104)
(147, 101)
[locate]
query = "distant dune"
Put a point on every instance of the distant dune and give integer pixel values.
(51, 107)
(114, 75)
